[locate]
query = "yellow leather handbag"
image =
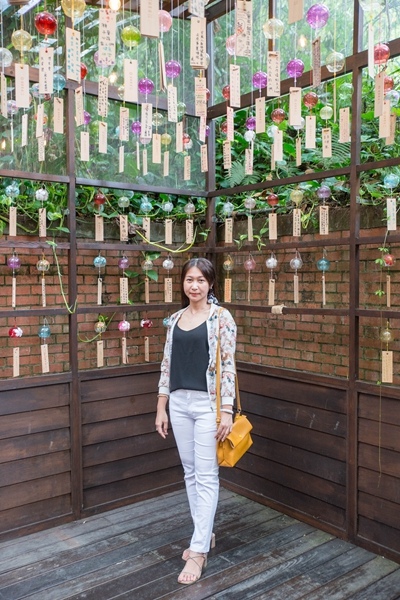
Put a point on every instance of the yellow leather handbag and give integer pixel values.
(239, 440)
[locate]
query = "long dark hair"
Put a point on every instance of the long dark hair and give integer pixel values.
(207, 269)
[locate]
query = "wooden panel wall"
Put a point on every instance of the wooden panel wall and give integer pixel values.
(378, 474)
(298, 459)
(35, 464)
(299, 462)
(123, 456)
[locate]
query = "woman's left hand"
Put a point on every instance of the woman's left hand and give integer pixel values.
(225, 427)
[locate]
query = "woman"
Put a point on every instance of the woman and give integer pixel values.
(188, 378)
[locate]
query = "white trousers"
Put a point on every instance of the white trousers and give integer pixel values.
(194, 425)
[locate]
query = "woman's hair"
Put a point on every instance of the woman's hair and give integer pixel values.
(207, 269)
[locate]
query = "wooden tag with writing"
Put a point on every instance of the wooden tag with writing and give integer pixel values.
(99, 228)
(229, 230)
(168, 231)
(12, 221)
(42, 223)
(123, 290)
(271, 292)
(387, 366)
(16, 362)
(273, 226)
(123, 228)
(296, 222)
(324, 220)
(168, 289)
(100, 353)
(147, 349)
(44, 351)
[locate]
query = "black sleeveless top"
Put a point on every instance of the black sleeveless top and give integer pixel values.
(189, 359)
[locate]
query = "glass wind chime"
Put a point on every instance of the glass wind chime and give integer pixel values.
(228, 265)
(168, 265)
(227, 211)
(124, 326)
(123, 264)
(296, 263)
(147, 265)
(271, 264)
(323, 265)
(14, 263)
(44, 333)
(15, 332)
(249, 265)
(99, 263)
(387, 355)
(43, 266)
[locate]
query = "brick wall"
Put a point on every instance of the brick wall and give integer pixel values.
(312, 343)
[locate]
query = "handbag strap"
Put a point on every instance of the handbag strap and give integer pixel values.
(218, 377)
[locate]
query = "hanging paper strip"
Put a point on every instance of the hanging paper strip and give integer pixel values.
(100, 353)
(198, 58)
(107, 36)
(44, 351)
(149, 18)
(46, 70)
(243, 28)
(22, 98)
(274, 74)
(130, 80)
(58, 115)
(296, 11)
(73, 54)
(234, 84)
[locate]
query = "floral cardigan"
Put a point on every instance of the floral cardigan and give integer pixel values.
(227, 332)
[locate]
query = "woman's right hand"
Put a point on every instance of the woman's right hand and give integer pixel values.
(162, 422)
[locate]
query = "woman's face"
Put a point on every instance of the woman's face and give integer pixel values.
(196, 286)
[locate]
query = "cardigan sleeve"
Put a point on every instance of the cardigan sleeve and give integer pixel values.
(163, 384)
(227, 332)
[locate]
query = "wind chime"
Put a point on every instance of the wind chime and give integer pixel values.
(15, 332)
(391, 181)
(124, 326)
(123, 202)
(323, 265)
(168, 264)
(228, 267)
(387, 355)
(189, 209)
(12, 192)
(168, 207)
(100, 328)
(43, 266)
(271, 263)
(227, 211)
(323, 193)
(249, 265)
(145, 208)
(99, 200)
(272, 201)
(123, 264)
(147, 265)
(44, 333)
(14, 263)
(296, 197)
(296, 263)
(99, 263)
(146, 324)
(42, 195)
(389, 261)
(250, 203)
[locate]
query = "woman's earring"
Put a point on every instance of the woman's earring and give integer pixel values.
(211, 298)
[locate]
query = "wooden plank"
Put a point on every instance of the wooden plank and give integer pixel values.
(39, 443)
(386, 588)
(271, 579)
(355, 581)
(111, 472)
(117, 449)
(129, 488)
(95, 433)
(384, 486)
(299, 392)
(105, 410)
(22, 494)
(34, 468)
(386, 436)
(32, 422)
(301, 503)
(33, 398)
(376, 459)
(118, 387)
(318, 442)
(385, 536)
(35, 512)
(301, 460)
(295, 480)
(385, 410)
(311, 418)
(312, 580)
(380, 510)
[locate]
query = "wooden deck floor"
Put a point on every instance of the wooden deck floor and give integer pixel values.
(135, 553)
